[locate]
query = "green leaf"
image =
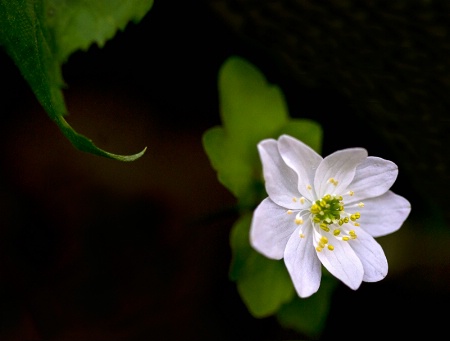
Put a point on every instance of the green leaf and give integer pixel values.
(251, 109)
(263, 284)
(78, 24)
(29, 32)
(309, 315)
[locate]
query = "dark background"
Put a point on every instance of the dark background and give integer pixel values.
(95, 249)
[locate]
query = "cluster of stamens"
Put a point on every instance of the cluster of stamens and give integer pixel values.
(329, 215)
(327, 211)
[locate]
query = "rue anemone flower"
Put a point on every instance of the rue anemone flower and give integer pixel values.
(326, 211)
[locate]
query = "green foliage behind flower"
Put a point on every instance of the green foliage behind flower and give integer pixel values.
(253, 109)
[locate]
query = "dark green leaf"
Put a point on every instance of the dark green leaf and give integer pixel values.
(38, 50)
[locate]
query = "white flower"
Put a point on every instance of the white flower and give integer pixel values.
(326, 211)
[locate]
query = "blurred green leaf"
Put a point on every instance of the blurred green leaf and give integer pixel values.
(40, 34)
(309, 315)
(251, 109)
(263, 284)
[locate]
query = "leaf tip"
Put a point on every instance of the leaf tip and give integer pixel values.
(127, 158)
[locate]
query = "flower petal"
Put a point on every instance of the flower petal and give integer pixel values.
(280, 180)
(271, 229)
(371, 255)
(384, 214)
(302, 263)
(373, 177)
(340, 166)
(302, 159)
(343, 263)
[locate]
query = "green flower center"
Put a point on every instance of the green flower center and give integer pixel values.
(327, 211)
(329, 215)
(330, 210)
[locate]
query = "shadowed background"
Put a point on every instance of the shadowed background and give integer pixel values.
(95, 249)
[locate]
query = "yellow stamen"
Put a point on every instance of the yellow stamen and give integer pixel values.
(324, 243)
(324, 227)
(315, 209)
(333, 181)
